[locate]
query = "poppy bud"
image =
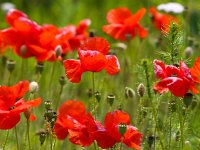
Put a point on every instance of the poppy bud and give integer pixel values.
(33, 87)
(188, 52)
(98, 96)
(27, 113)
(89, 93)
(58, 50)
(48, 104)
(92, 33)
(39, 67)
(110, 99)
(187, 99)
(42, 136)
(4, 60)
(62, 80)
(141, 90)
(122, 128)
(129, 92)
(10, 64)
(23, 50)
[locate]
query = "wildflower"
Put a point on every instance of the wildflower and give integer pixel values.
(176, 80)
(12, 104)
(93, 57)
(161, 21)
(122, 23)
(173, 7)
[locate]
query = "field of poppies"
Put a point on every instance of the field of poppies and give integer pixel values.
(99, 75)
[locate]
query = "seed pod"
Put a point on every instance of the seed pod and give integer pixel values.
(92, 33)
(110, 99)
(129, 92)
(42, 136)
(187, 99)
(89, 93)
(39, 67)
(62, 81)
(58, 50)
(47, 104)
(141, 89)
(98, 96)
(10, 64)
(122, 128)
(23, 50)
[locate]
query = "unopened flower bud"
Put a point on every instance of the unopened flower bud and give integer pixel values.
(33, 87)
(58, 50)
(23, 50)
(39, 67)
(187, 99)
(110, 99)
(48, 104)
(89, 93)
(42, 136)
(188, 52)
(122, 128)
(92, 33)
(27, 113)
(10, 65)
(129, 92)
(62, 80)
(141, 90)
(98, 96)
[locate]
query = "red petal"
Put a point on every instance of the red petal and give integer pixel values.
(73, 70)
(96, 44)
(14, 14)
(159, 68)
(8, 119)
(20, 89)
(195, 70)
(177, 86)
(93, 61)
(131, 21)
(112, 65)
(132, 138)
(142, 32)
(7, 98)
(83, 25)
(118, 15)
(75, 109)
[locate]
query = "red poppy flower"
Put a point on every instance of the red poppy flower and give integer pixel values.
(176, 80)
(11, 105)
(123, 23)
(93, 57)
(132, 138)
(161, 21)
(75, 121)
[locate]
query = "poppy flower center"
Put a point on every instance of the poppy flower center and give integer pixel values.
(174, 75)
(12, 107)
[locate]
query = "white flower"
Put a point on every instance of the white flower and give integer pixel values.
(7, 6)
(171, 7)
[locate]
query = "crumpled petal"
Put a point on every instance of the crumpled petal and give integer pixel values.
(73, 70)
(112, 65)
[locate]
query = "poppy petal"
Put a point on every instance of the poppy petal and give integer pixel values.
(113, 30)
(93, 61)
(112, 65)
(118, 15)
(8, 119)
(20, 88)
(159, 69)
(96, 44)
(7, 98)
(73, 70)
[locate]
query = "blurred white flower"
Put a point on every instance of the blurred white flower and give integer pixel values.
(171, 7)
(7, 6)
(33, 87)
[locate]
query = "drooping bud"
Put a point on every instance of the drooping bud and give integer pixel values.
(58, 50)
(23, 50)
(33, 87)
(47, 104)
(187, 99)
(122, 128)
(10, 64)
(89, 93)
(110, 99)
(98, 96)
(42, 136)
(39, 67)
(27, 113)
(141, 89)
(62, 80)
(188, 52)
(129, 92)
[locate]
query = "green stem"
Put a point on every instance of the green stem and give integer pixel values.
(16, 138)
(28, 135)
(4, 145)
(52, 74)
(95, 147)
(181, 121)
(93, 93)
(120, 146)
(58, 99)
